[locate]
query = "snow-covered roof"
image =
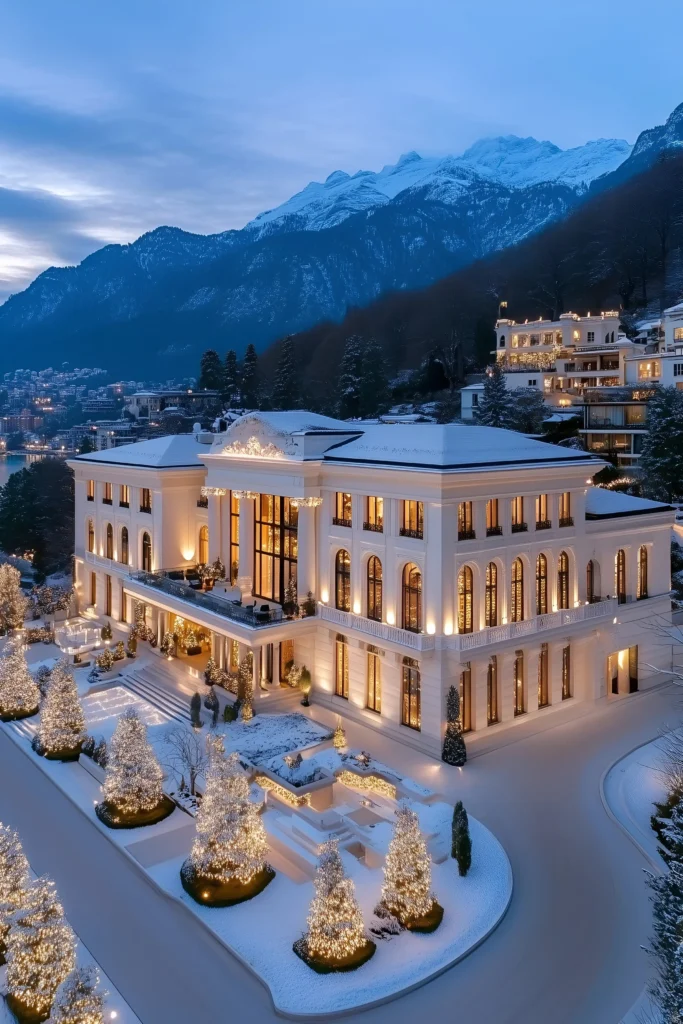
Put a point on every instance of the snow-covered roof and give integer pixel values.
(602, 503)
(449, 446)
(175, 451)
(678, 308)
(294, 421)
(474, 387)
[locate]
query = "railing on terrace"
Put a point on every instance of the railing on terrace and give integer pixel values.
(252, 616)
(380, 630)
(537, 624)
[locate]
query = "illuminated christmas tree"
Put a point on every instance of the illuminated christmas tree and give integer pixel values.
(77, 1001)
(62, 722)
(41, 952)
(408, 876)
(12, 600)
(14, 878)
(245, 686)
(19, 695)
(228, 859)
(133, 776)
(336, 934)
(339, 738)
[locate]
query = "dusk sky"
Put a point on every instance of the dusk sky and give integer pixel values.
(118, 117)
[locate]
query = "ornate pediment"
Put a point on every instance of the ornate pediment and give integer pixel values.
(253, 449)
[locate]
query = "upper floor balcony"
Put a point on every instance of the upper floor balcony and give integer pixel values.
(378, 630)
(529, 627)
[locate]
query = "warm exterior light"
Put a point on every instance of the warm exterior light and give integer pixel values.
(356, 607)
(448, 628)
(390, 618)
(324, 596)
(431, 628)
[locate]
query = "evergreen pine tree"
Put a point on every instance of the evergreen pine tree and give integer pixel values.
(133, 777)
(454, 751)
(14, 879)
(528, 412)
(461, 842)
(495, 404)
(41, 950)
(250, 378)
(407, 870)
(12, 600)
(350, 378)
(285, 388)
(212, 704)
(335, 922)
(667, 915)
(77, 1000)
(374, 388)
(62, 722)
(231, 384)
(661, 462)
(210, 372)
(19, 694)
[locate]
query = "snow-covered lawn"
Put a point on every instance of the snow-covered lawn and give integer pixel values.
(631, 788)
(266, 736)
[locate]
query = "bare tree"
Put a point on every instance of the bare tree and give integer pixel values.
(186, 754)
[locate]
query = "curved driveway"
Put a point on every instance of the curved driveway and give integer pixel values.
(567, 951)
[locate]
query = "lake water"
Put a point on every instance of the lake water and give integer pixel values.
(12, 463)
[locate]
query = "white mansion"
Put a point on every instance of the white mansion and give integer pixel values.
(435, 555)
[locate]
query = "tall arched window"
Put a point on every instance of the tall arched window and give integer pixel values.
(342, 581)
(541, 585)
(620, 576)
(465, 587)
(411, 712)
(109, 541)
(642, 573)
(146, 553)
(491, 602)
(590, 582)
(412, 598)
(563, 580)
(374, 588)
(91, 535)
(204, 545)
(517, 591)
(124, 545)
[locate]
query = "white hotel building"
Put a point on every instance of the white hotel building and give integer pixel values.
(435, 554)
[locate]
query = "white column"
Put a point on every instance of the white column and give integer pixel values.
(214, 527)
(306, 541)
(245, 579)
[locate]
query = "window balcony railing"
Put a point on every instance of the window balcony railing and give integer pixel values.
(339, 521)
(254, 616)
(466, 535)
(374, 527)
(406, 531)
(537, 624)
(566, 520)
(202, 502)
(543, 524)
(494, 531)
(519, 528)
(124, 504)
(145, 508)
(90, 497)
(106, 501)
(379, 630)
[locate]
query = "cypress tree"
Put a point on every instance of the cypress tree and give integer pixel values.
(350, 378)
(250, 378)
(461, 842)
(285, 383)
(210, 371)
(196, 711)
(495, 406)
(661, 461)
(230, 388)
(454, 751)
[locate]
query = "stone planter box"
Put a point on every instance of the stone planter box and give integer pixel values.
(317, 794)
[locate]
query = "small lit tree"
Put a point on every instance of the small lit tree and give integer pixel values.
(336, 936)
(14, 878)
(454, 751)
(339, 738)
(408, 877)
(227, 863)
(41, 952)
(132, 789)
(62, 722)
(245, 686)
(77, 1000)
(19, 694)
(12, 600)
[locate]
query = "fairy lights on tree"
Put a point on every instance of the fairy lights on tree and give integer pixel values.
(14, 879)
(41, 952)
(19, 695)
(12, 600)
(77, 1000)
(408, 876)
(339, 738)
(133, 780)
(62, 722)
(245, 686)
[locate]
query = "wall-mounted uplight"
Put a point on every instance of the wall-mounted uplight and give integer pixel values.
(324, 596)
(356, 607)
(390, 618)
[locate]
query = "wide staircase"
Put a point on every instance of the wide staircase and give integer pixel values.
(154, 686)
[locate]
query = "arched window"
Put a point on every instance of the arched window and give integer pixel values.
(491, 602)
(374, 588)
(590, 582)
(342, 581)
(91, 535)
(124, 545)
(541, 585)
(465, 586)
(411, 712)
(563, 580)
(146, 553)
(642, 573)
(412, 598)
(517, 591)
(204, 545)
(620, 576)
(109, 541)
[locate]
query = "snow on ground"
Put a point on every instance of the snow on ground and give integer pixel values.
(266, 736)
(630, 789)
(261, 931)
(103, 707)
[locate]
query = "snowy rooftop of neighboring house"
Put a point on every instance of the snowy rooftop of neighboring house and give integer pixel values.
(678, 308)
(450, 446)
(602, 503)
(295, 421)
(176, 451)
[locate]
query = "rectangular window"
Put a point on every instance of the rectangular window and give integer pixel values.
(566, 673)
(633, 669)
(543, 688)
(466, 698)
(275, 546)
(107, 595)
(413, 519)
(566, 510)
(518, 683)
(106, 494)
(542, 520)
(678, 369)
(374, 702)
(124, 496)
(517, 515)
(93, 588)
(234, 538)
(532, 382)
(410, 704)
(90, 490)
(374, 514)
(267, 663)
(342, 510)
(286, 659)
(649, 370)
(492, 691)
(124, 605)
(548, 338)
(493, 527)
(590, 337)
(465, 526)
(678, 333)
(341, 677)
(145, 499)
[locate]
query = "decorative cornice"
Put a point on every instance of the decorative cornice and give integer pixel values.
(213, 492)
(253, 449)
(253, 495)
(305, 502)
